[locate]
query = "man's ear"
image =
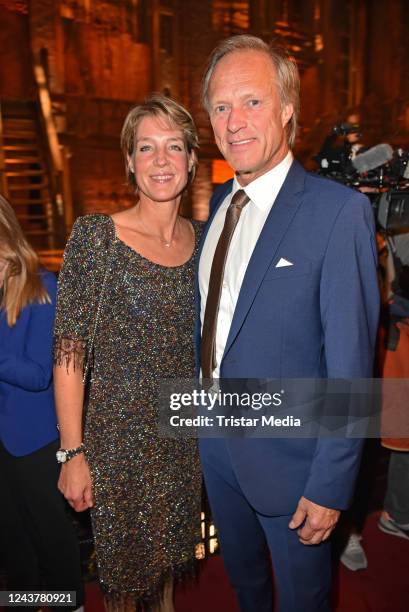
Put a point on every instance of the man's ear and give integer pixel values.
(286, 114)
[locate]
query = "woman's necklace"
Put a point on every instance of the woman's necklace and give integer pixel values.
(165, 243)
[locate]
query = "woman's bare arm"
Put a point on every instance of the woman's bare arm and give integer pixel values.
(75, 478)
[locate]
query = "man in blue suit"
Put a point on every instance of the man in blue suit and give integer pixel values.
(287, 289)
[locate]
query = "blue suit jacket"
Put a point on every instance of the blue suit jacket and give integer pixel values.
(27, 412)
(315, 319)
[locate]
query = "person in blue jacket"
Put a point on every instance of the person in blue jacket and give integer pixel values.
(286, 289)
(38, 544)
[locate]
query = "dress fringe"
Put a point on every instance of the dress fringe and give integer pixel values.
(150, 599)
(69, 350)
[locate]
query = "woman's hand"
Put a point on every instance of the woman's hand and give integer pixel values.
(75, 478)
(75, 483)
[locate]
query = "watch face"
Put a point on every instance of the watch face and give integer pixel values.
(61, 456)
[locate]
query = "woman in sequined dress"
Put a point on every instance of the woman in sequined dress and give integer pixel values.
(144, 491)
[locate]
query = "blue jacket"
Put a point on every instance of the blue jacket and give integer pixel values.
(315, 319)
(27, 411)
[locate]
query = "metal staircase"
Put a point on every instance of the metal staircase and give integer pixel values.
(34, 170)
(27, 182)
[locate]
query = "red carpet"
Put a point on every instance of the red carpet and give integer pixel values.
(383, 587)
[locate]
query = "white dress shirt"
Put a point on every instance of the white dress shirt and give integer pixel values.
(262, 193)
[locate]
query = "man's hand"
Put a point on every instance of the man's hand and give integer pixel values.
(318, 521)
(75, 483)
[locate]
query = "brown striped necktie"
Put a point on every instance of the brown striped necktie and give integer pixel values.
(208, 344)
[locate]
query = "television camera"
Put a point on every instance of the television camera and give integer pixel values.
(381, 172)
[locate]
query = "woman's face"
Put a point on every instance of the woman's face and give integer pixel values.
(160, 160)
(3, 268)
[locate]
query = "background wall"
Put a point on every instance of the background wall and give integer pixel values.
(103, 56)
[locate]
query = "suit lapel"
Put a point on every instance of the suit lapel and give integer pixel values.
(279, 219)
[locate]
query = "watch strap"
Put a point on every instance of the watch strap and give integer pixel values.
(64, 454)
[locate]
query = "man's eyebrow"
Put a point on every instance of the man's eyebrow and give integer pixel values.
(245, 96)
(251, 94)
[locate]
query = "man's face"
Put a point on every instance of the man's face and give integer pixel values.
(246, 114)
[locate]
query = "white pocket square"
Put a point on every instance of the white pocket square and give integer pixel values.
(283, 263)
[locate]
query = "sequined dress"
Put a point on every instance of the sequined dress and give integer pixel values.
(146, 488)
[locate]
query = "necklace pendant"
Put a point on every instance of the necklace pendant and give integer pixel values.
(167, 244)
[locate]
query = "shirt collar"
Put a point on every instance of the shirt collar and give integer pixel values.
(264, 189)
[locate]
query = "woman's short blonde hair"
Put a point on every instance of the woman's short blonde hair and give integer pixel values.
(174, 113)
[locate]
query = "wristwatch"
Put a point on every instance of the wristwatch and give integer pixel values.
(63, 455)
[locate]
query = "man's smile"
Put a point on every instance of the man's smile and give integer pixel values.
(236, 143)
